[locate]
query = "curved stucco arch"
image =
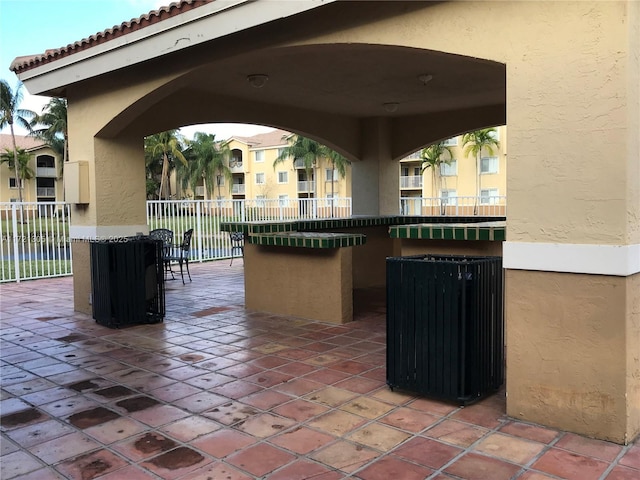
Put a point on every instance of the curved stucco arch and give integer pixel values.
(325, 91)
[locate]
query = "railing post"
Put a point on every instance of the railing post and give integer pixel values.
(14, 224)
(199, 240)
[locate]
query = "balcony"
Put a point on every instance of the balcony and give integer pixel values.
(46, 172)
(411, 182)
(200, 191)
(46, 191)
(236, 166)
(307, 186)
(299, 164)
(237, 189)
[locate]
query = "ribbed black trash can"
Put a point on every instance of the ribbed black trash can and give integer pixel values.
(445, 334)
(127, 281)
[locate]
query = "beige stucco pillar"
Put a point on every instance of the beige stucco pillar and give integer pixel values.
(573, 229)
(375, 183)
(116, 206)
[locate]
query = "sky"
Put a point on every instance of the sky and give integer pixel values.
(29, 27)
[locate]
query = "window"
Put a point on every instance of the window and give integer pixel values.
(259, 178)
(45, 161)
(489, 165)
(450, 169)
(220, 180)
(259, 154)
(405, 171)
(283, 200)
(14, 184)
(280, 152)
(451, 142)
(489, 196)
(331, 175)
(283, 177)
(261, 200)
(449, 197)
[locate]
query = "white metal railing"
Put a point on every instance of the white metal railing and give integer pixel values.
(46, 172)
(238, 189)
(205, 217)
(34, 240)
(46, 192)
(411, 181)
(307, 186)
(484, 206)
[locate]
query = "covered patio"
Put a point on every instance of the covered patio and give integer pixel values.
(221, 392)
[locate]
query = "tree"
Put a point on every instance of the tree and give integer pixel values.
(23, 158)
(53, 128)
(167, 146)
(11, 113)
(310, 152)
(208, 160)
(433, 157)
(475, 143)
(339, 163)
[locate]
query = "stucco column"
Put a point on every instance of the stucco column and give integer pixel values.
(375, 183)
(117, 200)
(573, 253)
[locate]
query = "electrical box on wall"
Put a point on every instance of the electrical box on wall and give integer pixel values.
(76, 182)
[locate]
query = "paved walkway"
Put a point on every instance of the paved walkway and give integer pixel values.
(217, 392)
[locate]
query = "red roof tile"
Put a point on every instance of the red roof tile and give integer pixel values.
(23, 63)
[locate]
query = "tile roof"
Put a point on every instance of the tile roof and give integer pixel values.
(23, 63)
(28, 143)
(267, 139)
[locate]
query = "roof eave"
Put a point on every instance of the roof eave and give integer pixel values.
(192, 27)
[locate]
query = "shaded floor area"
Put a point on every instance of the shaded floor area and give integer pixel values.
(218, 392)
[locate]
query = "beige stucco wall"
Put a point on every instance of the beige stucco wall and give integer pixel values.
(572, 357)
(81, 276)
(310, 283)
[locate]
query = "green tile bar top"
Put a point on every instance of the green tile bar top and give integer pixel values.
(492, 231)
(308, 239)
(350, 222)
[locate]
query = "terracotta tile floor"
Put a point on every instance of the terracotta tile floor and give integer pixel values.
(218, 392)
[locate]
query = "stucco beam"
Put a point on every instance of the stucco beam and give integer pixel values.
(411, 133)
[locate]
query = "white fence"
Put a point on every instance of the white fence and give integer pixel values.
(34, 240)
(34, 237)
(484, 206)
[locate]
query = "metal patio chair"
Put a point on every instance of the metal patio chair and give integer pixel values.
(166, 236)
(180, 253)
(237, 244)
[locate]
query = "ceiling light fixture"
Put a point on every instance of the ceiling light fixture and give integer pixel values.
(257, 80)
(425, 78)
(390, 106)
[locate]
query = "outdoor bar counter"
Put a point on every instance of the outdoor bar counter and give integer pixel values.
(310, 268)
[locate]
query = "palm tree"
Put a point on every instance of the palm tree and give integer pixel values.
(10, 113)
(53, 128)
(339, 163)
(23, 158)
(168, 146)
(475, 143)
(433, 157)
(208, 161)
(310, 152)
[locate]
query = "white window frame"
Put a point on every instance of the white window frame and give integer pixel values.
(260, 178)
(449, 196)
(258, 156)
(15, 183)
(489, 196)
(220, 180)
(494, 165)
(449, 170)
(331, 174)
(261, 200)
(283, 200)
(284, 174)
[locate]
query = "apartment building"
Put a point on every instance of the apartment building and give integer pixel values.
(45, 185)
(454, 184)
(255, 177)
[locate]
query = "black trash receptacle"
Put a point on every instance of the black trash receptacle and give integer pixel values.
(127, 281)
(445, 334)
